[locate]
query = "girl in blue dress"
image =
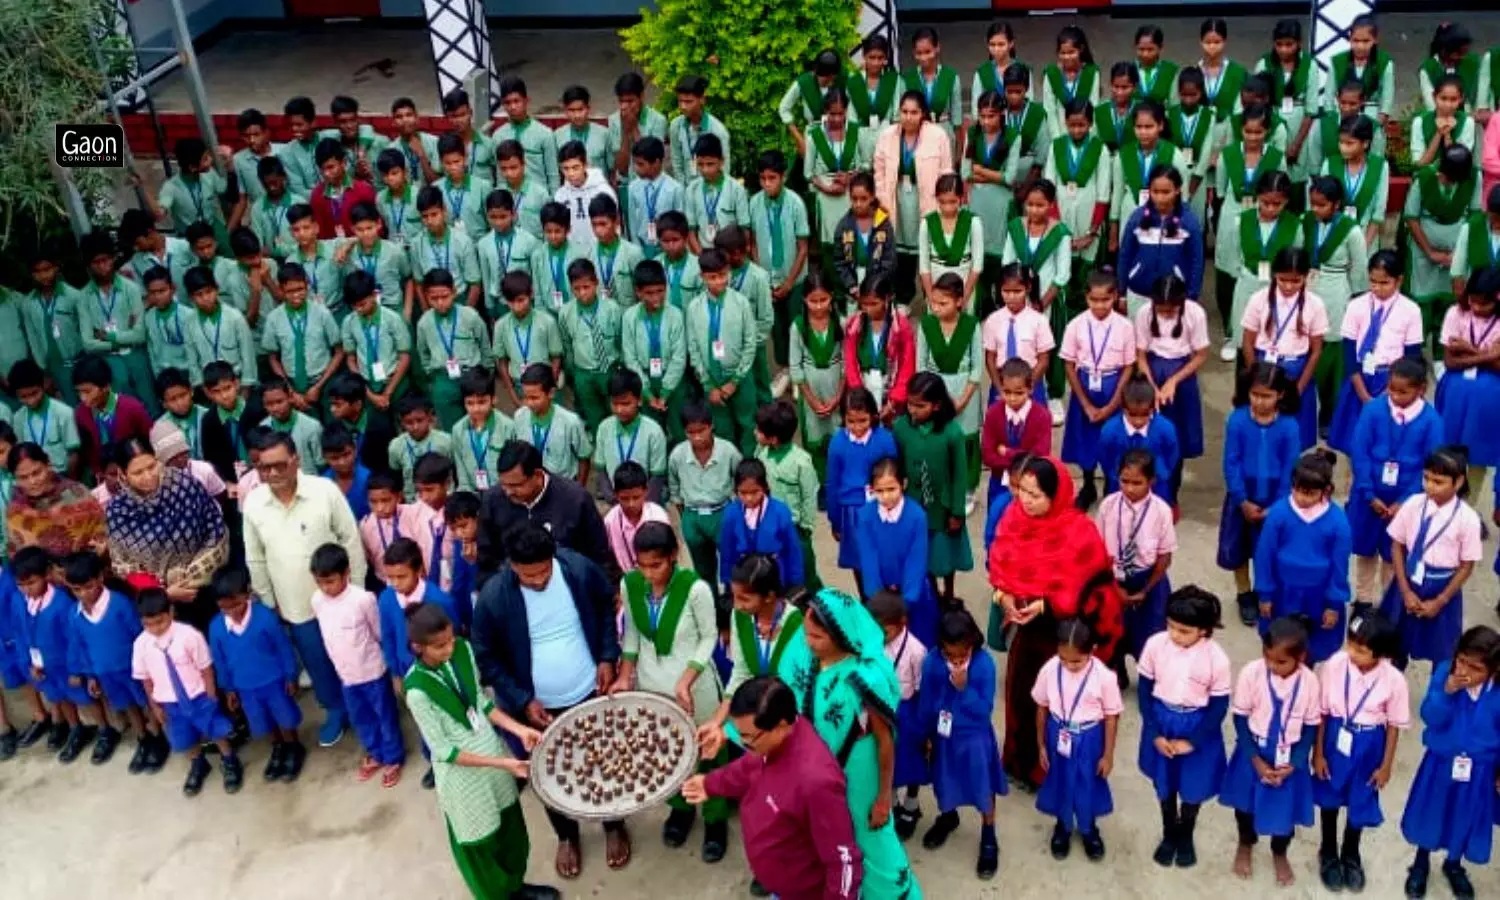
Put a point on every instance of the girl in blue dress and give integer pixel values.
(1302, 558)
(1377, 328)
(1469, 394)
(891, 534)
(756, 522)
(854, 450)
(1172, 340)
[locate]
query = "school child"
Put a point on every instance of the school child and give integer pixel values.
(1141, 544)
(575, 103)
(1190, 127)
(1137, 164)
(1356, 746)
(556, 431)
(1380, 327)
(957, 703)
(753, 282)
(933, 448)
(1449, 55)
(1363, 174)
(418, 148)
(389, 520)
(15, 675)
(162, 319)
(722, 339)
(1243, 260)
(1251, 146)
(836, 150)
(1466, 395)
(44, 622)
(949, 345)
(853, 450)
(700, 472)
(1340, 261)
(889, 539)
(349, 402)
(1441, 197)
(1139, 426)
(614, 258)
(217, 332)
(1296, 91)
(338, 190)
(479, 435)
(1445, 125)
(792, 477)
(950, 240)
(345, 469)
(350, 621)
(1478, 243)
(301, 341)
(1025, 122)
(250, 284)
(434, 478)
(525, 336)
(461, 517)
(1072, 78)
(252, 128)
(443, 247)
(817, 370)
(935, 80)
(805, 101)
(325, 282)
(590, 326)
(450, 340)
(297, 153)
(1262, 442)
(880, 352)
(1098, 348)
(906, 654)
(755, 522)
(1323, 142)
(1113, 120)
(1373, 69)
(138, 233)
(229, 419)
(1042, 245)
(407, 583)
(865, 242)
(670, 632)
(480, 150)
(1288, 331)
(42, 420)
(1015, 425)
(1172, 345)
(537, 142)
(1160, 239)
(111, 319)
(257, 671)
(359, 141)
(630, 512)
(1000, 47)
(991, 168)
(691, 125)
(269, 210)
(874, 90)
(51, 314)
(1435, 543)
(779, 227)
(104, 416)
(1222, 76)
(1450, 806)
(653, 346)
(651, 192)
(550, 259)
(377, 343)
(397, 200)
(581, 188)
(530, 194)
(421, 436)
(197, 193)
(178, 408)
(684, 280)
(386, 261)
(1017, 331)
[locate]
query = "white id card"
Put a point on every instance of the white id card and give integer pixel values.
(1071, 190)
(710, 231)
(1096, 381)
(874, 120)
(1369, 366)
(110, 327)
(945, 724)
(1283, 755)
(56, 330)
(718, 350)
(1143, 197)
(1263, 271)
(1273, 356)
(606, 292)
(476, 721)
(1390, 473)
(656, 367)
(1065, 743)
(1351, 211)
(1471, 374)
(1463, 769)
(482, 479)
(1419, 574)
(557, 299)
(445, 573)
(1344, 743)
(650, 232)
(1288, 104)
(458, 226)
(36, 659)
(908, 186)
(378, 295)
(377, 371)
(453, 368)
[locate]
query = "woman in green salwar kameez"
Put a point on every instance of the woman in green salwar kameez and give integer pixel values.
(849, 691)
(475, 771)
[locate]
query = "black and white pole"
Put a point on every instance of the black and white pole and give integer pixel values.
(461, 49)
(1330, 27)
(879, 17)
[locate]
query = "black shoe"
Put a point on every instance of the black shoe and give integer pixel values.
(1086, 497)
(943, 826)
(142, 756)
(1249, 604)
(989, 859)
(906, 822)
(535, 892)
(1331, 870)
(1416, 882)
(104, 747)
(1062, 842)
(234, 773)
(715, 841)
(78, 738)
(161, 751)
(1166, 851)
(1458, 881)
(8, 741)
(822, 500)
(276, 763)
(1354, 876)
(291, 766)
(429, 781)
(58, 735)
(757, 889)
(1093, 844)
(1187, 854)
(679, 823)
(239, 732)
(34, 732)
(198, 771)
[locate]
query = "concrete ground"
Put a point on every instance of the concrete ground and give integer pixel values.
(85, 832)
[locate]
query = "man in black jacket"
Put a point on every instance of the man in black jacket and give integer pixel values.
(544, 636)
(529, 493)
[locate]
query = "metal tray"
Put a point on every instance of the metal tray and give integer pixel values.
(550, 780)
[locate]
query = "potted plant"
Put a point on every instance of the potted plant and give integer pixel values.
(1398, 155)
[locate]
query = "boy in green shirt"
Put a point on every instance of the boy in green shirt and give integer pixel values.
(377, 344)
(417, 148)
(195, 193)
(138, 231)
(302, 341)
(282, 414)
(325, 285)
(534, 138)
(714, 200)
(684, 282)
(418, 438)
(383, 260)
(700, 481)
(779, 225)
(165, 321)
(397, 200)
(249, 282)
(204, 245)
(530, 194)
(246, 163)
(754, 284)
(478, 148)
(526, 335)
(653, 345)
(692, 123)
(614, 257)
(176, 392)
(793, 478)
(594, 138)
(360, 141)
(479, 435)
(722, 339)
(443, 247)
(50, 314)
(299, 153)
(631, 123)
(555, 431)
(549, 264)
(463, 191)
(505, 249)
(112, 321)
(650, 194)
(590, 326)
(268, 213)
(217, 332)
(43, 420)
(627, 436)
(450, 340)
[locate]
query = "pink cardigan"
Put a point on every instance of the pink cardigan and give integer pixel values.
(934, 158)
(1489, 159)
(900, 350)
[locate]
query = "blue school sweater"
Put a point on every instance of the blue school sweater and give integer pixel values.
(1378, 440)
(1288, 542)
(394, 645)
(849, 466)
(1455, 724)
(1160, 438)
(1143, 262)
(259, 657)
(1258, 459)
(992, 517)
(49, 632)
(896, 552)
(465, 583)
(972, 707)
(104, 647)
(12, 623)
(358, 493)
(775, 535)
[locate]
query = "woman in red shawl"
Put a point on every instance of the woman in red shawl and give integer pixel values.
(1047, 563)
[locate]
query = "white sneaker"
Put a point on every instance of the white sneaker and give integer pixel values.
(780, 383)
(1058, 411)
(972, 502)
(1228, 351)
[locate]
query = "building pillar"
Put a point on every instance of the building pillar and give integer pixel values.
(461, 52)
(1330, 28)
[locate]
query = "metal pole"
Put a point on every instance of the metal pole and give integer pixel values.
(78, 215)
(195, 81)
(112, 111)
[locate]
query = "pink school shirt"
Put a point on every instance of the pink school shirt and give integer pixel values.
(350, 624)
(1194, 335)
(1448, 546)
(1388, 703)
(1118, 519)
(430, 530)
(907, 654)
(377, 535)
(1489, 156)
(1301, 691)
(1402, 325)
(1100, 697)
(1462, 324)
(1033, 334)
(1294, 341)
(621, 532)
(190, 657)
(205, 475)
(1185, 676)
(1113, 338)
(246, 483)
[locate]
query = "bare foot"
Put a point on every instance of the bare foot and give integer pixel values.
(617, 847)
(1284, 876)
(568, 862)
(1242, 857)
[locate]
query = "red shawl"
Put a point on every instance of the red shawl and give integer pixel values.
(1061, 559)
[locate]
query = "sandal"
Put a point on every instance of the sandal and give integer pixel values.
(367, 769)
(390, 776)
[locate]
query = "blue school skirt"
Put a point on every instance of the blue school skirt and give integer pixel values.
(1346, 411)
(268, 707)
(1237, 537)
(966, 768)
(121, 691)
(1185, 412)
(911, 760)
(1430, 639)
(55, 688)
(1149, 617)
(1073, 791)
(1301, 592)
(1470, 407)
(848, 520)
(1348, 783)
(1456, 817)
(191, 722)
(1307, 416)
(1277, 810)
(13, 671)
(1195, 778)
(1080, 436)
(1367, 532)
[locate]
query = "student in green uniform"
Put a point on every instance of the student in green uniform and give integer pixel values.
(594, 138)
(524, 336)
(1025, 123)
(248, 283)
(43, 420)
(537, 142)
(204, 245)
(684, 282)
(1191, 128)
(1222, 76)
(950, 239)
(441, 247)
(1478, 243)
(1340, 265)
(531, 195)
(1365, 176)
(1250, 153)
(632, 122)
(397, 199)
(377, 344)
(166, 334)
(932, 446)
(802, 106)
(1375, 71)
(1074, 76)
(359, 140)
(268, 213)
(627, 436)
(722, 337)
(1146, 149)
(1000, 47)
(949, 345)
(1156, 75)
(753, 283)
(175, 390)
(299, 114)
(504, 249)
(613, 256)
(256, 134)
(991, 167)
(382, 260)
(873, 91)
(590, 326)
(1255, 90)
(217, 332)
(325, 284)
(112, 321)
(50, 313)
(651, 193)
(653, 345)
(554, 430)
(833, 156)
(1040, 244)
(463, 191)
(792, 477)
(692, 123)
(195, 194)
(419, 436)
(480, 150)
(1080, 165)
(714, 200)
(1442, 196)
(1112, 120)
(451, 339)
(816, 366)
(700, 482)
(1445, 124)
(282, 414)
(139, 234)
(479, 435)
(1323, 140)
(1252, 239)
(779, 225)
(937, 82)
(302, 342)
(550, 259)
(418, 148)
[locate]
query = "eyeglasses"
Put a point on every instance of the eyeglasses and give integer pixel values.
(272, 468)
